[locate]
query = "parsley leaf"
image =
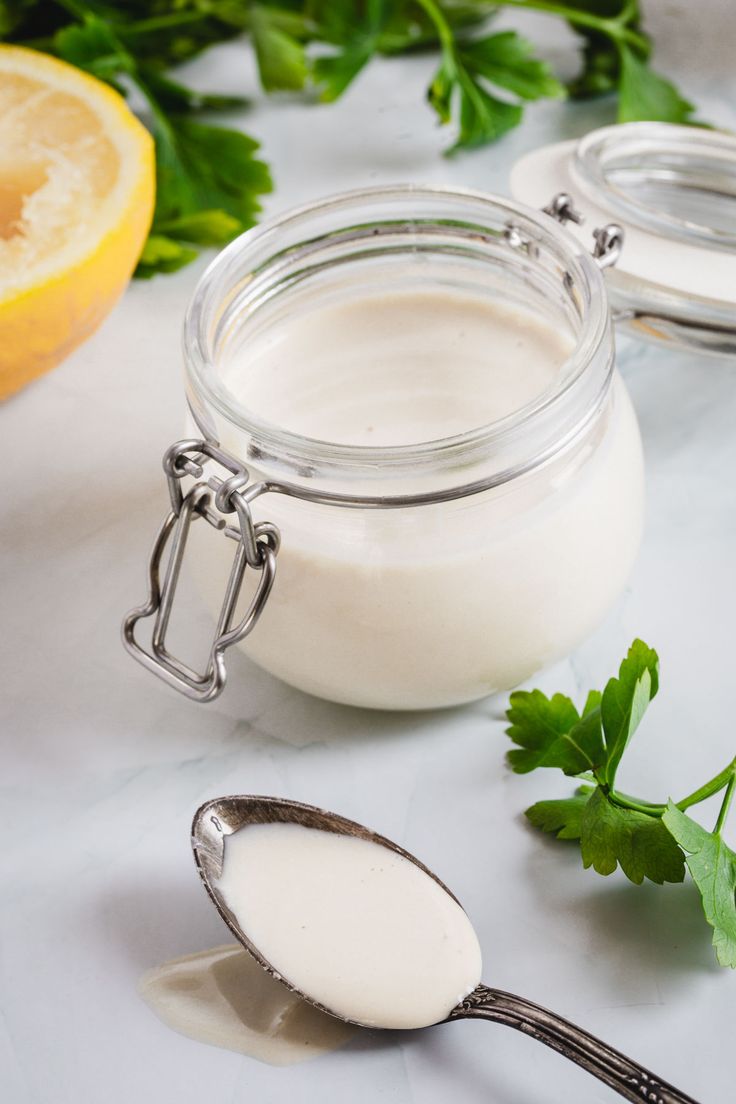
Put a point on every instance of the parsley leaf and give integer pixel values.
(616, 57)
(712, 865)
(207, 185)
(282, 63)
(93, 47)
(201, 167)
(644, 94)
(625, 700)
(507, 60)
(611, 836)
(202, 227)
(360, 39)
(551, 733)
(168, 32)
(562, 816)
(163, 254)
(601, 68)
(644, 839)
(335, 72)
(459, 87)
(601, 57)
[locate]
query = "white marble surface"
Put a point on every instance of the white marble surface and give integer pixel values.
(102, 766)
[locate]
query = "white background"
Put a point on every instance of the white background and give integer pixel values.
(103, 766)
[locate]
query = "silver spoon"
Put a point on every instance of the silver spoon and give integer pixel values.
(217, 819)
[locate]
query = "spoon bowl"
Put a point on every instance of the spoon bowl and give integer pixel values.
(216, 820)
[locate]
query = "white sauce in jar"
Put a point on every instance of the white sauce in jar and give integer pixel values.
(399, 370)
(353, 925)
(440, 604)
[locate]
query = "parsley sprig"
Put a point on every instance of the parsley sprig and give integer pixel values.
(209, 178)
(613, 829)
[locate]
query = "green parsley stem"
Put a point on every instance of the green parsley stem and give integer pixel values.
(723, 778)
(615, 29)
(626, 802)
(162, 22)
(142, 26)
(726, 777)
(726, 804)
(444, 31)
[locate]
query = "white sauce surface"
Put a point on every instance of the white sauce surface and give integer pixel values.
(224, 998)
(351, 924)
(397, 370)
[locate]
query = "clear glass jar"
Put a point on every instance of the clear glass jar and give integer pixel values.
(423, 575)
(673, 191)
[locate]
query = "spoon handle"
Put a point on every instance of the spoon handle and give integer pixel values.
(626, 1077)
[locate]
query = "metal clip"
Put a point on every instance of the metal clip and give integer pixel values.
(257, 547)
(562, 208)
(513, 236)
(608, 240)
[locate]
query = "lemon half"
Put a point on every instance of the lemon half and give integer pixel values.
(77, 185)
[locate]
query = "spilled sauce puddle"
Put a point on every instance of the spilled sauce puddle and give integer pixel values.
(223, 997)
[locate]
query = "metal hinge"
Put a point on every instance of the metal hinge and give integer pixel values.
(608, 240)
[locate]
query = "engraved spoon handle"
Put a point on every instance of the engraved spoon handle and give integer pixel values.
(626, 1077)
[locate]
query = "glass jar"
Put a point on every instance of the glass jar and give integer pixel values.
(406, 576)
(673, 190)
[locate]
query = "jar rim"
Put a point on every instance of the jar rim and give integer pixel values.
(230, 269)
(674, 155)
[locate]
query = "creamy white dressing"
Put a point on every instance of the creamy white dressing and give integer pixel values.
(397, 370)
(223, 997)
(353, 925)
(430, 606)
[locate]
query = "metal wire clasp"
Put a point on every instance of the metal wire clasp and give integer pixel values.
(213, 499)
(608, 240)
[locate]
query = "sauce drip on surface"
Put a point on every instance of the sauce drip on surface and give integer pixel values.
(223, 997)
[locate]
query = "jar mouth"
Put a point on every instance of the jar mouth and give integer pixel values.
(381, 222)
(675, 181)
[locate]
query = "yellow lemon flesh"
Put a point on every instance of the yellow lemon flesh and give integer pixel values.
(76, 200)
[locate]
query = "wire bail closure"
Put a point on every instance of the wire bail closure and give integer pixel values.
(213, 499)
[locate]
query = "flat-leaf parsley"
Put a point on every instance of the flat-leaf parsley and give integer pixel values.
(613, 829)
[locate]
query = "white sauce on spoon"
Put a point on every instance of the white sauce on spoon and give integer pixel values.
(223, 997)
(351, 924)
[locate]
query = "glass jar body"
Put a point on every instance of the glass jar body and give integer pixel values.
(435, 605)
(422, 577)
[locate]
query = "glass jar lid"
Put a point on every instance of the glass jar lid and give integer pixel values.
(673, 190)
